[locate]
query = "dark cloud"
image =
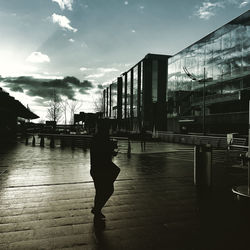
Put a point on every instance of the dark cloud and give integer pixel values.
(100, 86)
(85, 86)
(46, 88)
(99, 92)
(16, 89)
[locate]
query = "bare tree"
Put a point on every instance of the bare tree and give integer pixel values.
(74, 106)
(98, 103)
(54, 112)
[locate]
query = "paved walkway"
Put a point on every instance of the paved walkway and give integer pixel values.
(46, 196)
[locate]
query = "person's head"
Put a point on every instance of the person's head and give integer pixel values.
(103, 128)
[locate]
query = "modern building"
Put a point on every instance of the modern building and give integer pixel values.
(205, 88)
(220, 66)
(11, 111)
(138, 97)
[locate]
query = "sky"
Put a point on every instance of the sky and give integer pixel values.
(78, 47)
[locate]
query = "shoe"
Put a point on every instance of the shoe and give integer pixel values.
(99, 215)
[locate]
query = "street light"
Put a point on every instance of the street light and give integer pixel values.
(203, 80)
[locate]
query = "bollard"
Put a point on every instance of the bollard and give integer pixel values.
(203, 166)
(33, 141)
(42, 141)
(129, 149)
(52, 142)
(26, 140)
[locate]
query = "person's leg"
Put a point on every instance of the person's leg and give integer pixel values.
(104, 188)
(99, 193)
(108, 191)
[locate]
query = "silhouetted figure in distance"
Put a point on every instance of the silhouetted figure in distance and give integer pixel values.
(103, 170)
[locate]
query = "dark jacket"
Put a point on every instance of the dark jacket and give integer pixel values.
(101, 152)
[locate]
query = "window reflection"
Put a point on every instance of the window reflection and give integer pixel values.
(135, 90)
(225, 54)
(128, 93)
(154, 80)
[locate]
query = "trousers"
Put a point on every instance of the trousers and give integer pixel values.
(104, 188)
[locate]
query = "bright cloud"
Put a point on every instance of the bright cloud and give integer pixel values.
(126, 2)
(71, 40)
(63, 22)
(98, 72)
(107, 70)
(243, 4)
(208, 9)
(37, 57)
(84, 69)
(64, 4)
(95, 76)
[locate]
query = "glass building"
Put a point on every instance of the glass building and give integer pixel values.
(209, 82)
(144, 94)
(110, 101)
(140, 95)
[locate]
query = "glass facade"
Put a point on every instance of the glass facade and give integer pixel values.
(225, 56)
(154, 80)
(141, 85)
(137, 94)
(123, 96)
(113, 87)
(128, 94)
(107, 103)
(135, 91)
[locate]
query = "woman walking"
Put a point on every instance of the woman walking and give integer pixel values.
(103, 171)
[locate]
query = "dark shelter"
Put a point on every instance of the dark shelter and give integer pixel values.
(103, 171)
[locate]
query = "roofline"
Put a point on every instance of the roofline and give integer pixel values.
(147, 56)
(212, 32)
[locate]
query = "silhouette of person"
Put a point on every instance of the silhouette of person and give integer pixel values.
(103, 170)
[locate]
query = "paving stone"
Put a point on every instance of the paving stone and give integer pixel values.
(46, 197)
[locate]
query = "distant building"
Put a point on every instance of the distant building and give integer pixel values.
(11, 111)
(88, 119)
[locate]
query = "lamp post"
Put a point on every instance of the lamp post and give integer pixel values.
(203, 80)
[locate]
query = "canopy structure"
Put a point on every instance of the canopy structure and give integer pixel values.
(14, 107)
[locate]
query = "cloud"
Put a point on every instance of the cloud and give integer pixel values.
(126, 2)
(63, 22)
(84, 69)
(37, 57)
(95, 75)
(71, 40)
(208, 9)
(243, 4)
(107, 70)
(64, 4)
(17, 89)
(99, 86)
(98, 72)
(44, 88)
(86, 85)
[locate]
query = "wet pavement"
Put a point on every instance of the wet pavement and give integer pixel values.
(46, 196)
